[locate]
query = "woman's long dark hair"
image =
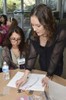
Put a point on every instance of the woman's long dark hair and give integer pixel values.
(45, 17)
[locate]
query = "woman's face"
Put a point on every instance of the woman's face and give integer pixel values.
(15, 39)
(2, 19)
(37, 26)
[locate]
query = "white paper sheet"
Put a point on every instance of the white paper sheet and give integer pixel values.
(33, 83)
(57, 91)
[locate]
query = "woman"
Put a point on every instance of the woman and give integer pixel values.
(3, 28)
(47, 42)
(14, 48)
(4, 25)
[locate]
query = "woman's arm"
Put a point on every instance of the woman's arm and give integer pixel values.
(29, 66)
(6, 56)
(57, 52)
(31, 57)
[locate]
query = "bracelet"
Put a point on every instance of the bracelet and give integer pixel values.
(25, 76)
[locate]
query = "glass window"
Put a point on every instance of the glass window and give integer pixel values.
(64, 9)
(22, 15)
(13, 5)
(65, 6)
(28, 5)
(52, 4)
(1, 6)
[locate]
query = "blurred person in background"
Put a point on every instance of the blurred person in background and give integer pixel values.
(4, 25)
(3, 28)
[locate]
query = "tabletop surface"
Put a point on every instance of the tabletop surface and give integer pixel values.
(7, 93)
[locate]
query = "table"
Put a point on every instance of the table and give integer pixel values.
(13, 94)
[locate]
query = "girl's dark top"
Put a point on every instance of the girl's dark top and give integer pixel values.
(50, 56)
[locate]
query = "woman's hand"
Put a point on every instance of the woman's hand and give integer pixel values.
(21, 81)
(45, 81)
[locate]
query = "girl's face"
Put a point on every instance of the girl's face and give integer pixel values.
(37, 26)
(15, 39)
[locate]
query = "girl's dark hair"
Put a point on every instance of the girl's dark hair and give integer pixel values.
(5, 19)
(45, 17)
(19, 31)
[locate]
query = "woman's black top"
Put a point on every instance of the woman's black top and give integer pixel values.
(50, 56)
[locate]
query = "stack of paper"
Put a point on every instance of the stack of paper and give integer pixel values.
(33, 83)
